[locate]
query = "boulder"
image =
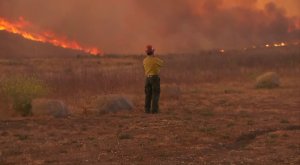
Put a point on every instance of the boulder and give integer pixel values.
(267, 80)
(47, 107)
(112, 103)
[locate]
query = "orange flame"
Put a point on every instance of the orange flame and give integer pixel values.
(222, 51)
(21, 28)
(295, 26)
(282, 44)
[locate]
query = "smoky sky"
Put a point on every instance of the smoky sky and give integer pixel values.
(126, 26)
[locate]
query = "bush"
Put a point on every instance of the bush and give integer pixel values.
(21, 90)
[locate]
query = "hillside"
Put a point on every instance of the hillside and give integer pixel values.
(14, 46)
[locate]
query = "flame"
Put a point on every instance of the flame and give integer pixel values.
(282, 44)
(21, 28)
(273, 45)
(297, 24)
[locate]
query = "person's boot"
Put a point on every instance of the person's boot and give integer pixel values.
(147, 111)
(154, 112)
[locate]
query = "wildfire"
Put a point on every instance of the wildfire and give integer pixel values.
(273, 45)
(222, 51)
(295, 26)
(279, 44)
(21, 28)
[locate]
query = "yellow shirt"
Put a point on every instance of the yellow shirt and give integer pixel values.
(152, 65)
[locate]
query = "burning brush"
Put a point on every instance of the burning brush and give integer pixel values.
(21, 27)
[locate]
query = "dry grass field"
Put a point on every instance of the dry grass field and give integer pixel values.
(215, 116)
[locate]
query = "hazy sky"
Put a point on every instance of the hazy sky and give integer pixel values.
(126, 26)
(291, 6)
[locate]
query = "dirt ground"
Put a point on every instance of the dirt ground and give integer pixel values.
(221, 122)
(207, 125)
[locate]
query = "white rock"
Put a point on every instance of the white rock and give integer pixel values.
(112, 103)
(47, 107)
(268, 80)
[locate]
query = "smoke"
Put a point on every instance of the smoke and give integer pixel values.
(170, 25)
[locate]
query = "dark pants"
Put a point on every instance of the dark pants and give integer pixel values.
(152, 91)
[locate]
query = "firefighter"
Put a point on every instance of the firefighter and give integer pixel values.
(152, 66)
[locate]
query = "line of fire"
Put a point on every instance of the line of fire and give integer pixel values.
(21, 27)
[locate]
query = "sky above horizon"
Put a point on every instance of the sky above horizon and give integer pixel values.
(170, 25)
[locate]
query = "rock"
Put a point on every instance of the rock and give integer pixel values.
(112, 103)
(46, 107)
(268, 80)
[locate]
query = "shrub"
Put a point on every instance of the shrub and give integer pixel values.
(21, 90)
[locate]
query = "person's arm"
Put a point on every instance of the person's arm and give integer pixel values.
(160, 62)
(144, 64)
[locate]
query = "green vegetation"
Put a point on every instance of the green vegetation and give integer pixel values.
(21, 90)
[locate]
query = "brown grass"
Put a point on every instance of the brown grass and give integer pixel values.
(69, 76)
(218, 105)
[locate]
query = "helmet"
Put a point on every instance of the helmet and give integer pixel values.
(149, 49)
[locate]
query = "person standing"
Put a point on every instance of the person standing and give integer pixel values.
(152, 66)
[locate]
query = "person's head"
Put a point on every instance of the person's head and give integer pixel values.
(150, 50)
